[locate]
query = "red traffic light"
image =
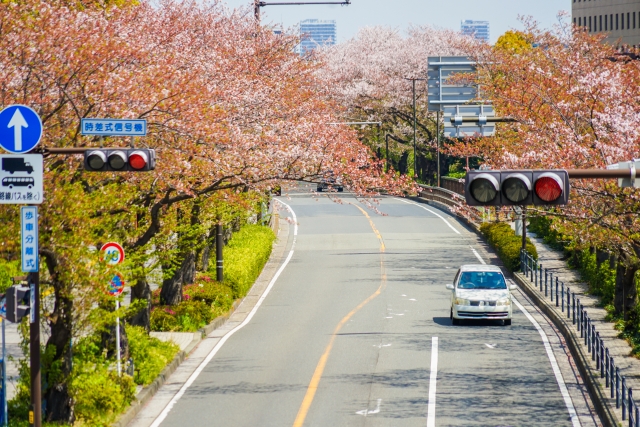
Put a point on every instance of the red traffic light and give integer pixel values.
(138, 160)
(548, 187)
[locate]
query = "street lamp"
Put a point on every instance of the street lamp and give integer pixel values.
(257, 4)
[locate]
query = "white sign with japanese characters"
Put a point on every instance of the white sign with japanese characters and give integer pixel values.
(29, 234)
(21, 179)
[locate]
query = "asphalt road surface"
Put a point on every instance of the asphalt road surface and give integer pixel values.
(355, 332)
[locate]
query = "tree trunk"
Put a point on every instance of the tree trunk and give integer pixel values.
(171, 292)
(142, 291)
(625, 292)
(601, 257)
(189, 269)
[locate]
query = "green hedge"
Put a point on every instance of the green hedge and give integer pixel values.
(503, 239)
(245, 256)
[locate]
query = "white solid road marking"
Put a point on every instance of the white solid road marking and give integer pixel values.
(433, 212)
(366, 412)
(224, 339)
(552, 358)
(477, 255)
(554, 365)
(431, 412)
(491, 345)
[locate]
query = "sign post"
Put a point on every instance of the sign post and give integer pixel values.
(113, 254)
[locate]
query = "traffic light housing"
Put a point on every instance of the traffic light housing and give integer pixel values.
(18, 302)
(120, 160)
(517, 187)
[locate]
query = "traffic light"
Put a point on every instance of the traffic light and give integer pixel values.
(517, 187)
(18, 302)
(120, 159)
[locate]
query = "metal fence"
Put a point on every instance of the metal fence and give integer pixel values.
(543, 280)
(452, 184)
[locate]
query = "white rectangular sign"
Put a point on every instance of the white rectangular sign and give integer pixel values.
(29, 234)
(21, 179)
(114, 127)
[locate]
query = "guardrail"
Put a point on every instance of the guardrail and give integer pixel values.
(452, 184)
(453, 200)
(567, 301)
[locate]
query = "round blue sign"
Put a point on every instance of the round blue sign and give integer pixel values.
(20, 129)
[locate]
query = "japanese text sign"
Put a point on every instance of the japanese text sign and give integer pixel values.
(113, 127)
(29, 234)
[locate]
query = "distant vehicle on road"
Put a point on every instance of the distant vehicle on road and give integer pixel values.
(16, 164)
(480, 292)
(329, 182)
(18, 181)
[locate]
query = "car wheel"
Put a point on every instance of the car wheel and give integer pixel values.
(507, 322)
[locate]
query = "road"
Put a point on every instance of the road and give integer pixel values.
(355, 332)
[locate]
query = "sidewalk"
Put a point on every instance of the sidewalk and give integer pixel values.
(618, 348)
(13, 351)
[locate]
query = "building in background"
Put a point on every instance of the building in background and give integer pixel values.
(315, 33)
(620, 19)
(477, 29)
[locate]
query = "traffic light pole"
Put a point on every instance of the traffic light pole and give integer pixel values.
(524, 227)
(35, 415)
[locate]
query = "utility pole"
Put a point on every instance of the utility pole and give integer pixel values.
(415, 168)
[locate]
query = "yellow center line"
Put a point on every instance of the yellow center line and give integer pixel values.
(317, 374)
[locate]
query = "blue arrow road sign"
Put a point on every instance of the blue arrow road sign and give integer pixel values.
(20, 129)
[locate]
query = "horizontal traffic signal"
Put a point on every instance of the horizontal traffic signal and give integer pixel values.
(18, 303)
(120, 160)
(517, 187)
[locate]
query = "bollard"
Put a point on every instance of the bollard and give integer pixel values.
(556, 292)
(587, 334)
(545, 286)
(617, 387)
(535, 275)
(612, 374)
(624, 395)
(579, 317)
(608, 360)
(630, 405)
(545, 279)
(601, 356)
(573, 297)
(593, 342)
(596, 349)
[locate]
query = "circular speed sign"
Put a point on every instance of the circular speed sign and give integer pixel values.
(112, 253)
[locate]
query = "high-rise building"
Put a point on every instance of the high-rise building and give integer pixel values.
(477, 29)
(620, 19)
(315, 33)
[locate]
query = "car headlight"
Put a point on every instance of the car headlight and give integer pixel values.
(504, 301)
(462, 301)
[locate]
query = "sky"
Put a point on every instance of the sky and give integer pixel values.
(501, 14)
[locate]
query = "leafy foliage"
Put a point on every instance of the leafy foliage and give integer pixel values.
(150, 355)
(504, 240)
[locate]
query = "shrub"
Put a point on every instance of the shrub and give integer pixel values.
(245, 256)
(8, 269)
(150, 355)
(187, 316)
(504, 240)
(217, 295)
(163, 319)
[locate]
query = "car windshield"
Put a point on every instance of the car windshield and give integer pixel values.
(481, 280)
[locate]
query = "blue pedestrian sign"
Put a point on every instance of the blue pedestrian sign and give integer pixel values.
(29, 234)
(20, 129)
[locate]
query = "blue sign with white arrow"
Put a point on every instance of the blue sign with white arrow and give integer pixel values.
(20, 129)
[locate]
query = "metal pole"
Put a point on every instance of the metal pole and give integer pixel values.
(415, 170)
(524, 228)
(256, 10)
(387, 156)
(438, 144)
(118, 339)
(34, 354)
(4, 375)
(219, 260)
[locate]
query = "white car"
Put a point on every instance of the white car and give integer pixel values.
(480, 292)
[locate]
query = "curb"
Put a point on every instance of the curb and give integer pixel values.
(587, 370)
(147, 393)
